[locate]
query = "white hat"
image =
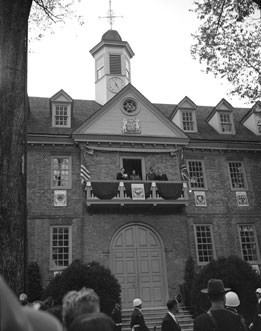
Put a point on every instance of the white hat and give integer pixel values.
(137, 302)
(232, 299)
(23, 297)
(258, 290)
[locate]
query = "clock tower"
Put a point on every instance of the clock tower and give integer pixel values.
(112, 65)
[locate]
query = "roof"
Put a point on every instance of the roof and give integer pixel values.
(111, 35)
(39, 121)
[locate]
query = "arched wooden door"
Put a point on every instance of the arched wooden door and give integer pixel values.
(138, 264)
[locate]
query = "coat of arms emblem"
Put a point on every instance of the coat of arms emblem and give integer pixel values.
(131, 125)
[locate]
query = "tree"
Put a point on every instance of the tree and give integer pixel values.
(14, 17)
(228, 44)
(237, 275)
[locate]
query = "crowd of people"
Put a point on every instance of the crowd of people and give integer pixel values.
(80, 311)
(151, 175)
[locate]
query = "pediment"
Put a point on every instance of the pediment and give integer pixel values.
(185, 103)
(222, 106)
(130, 115)
(61, 96)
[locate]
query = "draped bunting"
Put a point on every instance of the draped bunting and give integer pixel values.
(105, 190)
(169, 191)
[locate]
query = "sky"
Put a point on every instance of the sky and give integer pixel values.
(159, 33)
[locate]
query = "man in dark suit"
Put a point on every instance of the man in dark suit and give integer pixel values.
(170, 322)
(256, 324)
(122, 175)
(137, 319)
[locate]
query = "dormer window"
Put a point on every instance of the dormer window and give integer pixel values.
(115, 64)
(188, 120)
(226, 122)
(258, 122)
(61, 115)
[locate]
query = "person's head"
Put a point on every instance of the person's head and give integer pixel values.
(134, 172)
(23, 299)
(92, 322)
(173, 306)
(123, 170)
(231, 299)
(137, 303)
(258, 293)
(75, 303)
(216, 291)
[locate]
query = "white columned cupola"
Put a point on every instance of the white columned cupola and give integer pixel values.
(112, 65)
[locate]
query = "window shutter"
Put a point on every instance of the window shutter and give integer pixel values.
(115, 64)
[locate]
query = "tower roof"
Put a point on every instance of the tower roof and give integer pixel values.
(111, 35)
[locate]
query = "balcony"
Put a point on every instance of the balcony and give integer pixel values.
(137, 193)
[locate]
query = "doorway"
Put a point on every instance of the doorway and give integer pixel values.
(129, 164)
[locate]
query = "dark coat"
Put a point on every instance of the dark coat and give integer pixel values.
(137, 321)
(168, 324)
(257, 318)
(225, 320)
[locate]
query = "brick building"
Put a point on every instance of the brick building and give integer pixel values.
(144, 230)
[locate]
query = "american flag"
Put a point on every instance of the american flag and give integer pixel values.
(85, 174)
(183, 168)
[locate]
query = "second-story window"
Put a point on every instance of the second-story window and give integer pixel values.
(115, 64)
(237, 175)
(226, 123)
(61, 115)
(204, 243)
(188, 121)
(61, 172)
(196, 173)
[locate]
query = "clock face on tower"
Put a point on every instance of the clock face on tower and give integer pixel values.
(115, 84)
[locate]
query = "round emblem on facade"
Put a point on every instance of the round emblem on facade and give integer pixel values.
(130, 106)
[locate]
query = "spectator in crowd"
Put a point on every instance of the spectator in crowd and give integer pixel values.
(218, 317)
(15, 317)
(122, 175)
(76, 303)
(116, 316)
(232, 302)
(161, 176)
(92, 322)
(256, 324)
(23, 299)
(134, 176)
(151, 174)
(137, 319)
(170, 322)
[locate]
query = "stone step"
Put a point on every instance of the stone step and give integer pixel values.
(153, 318)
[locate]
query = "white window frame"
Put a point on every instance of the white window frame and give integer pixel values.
(69, 183)
(192, 178)
(254, 243)
(202, 263)
(54, 267)
(127, 69)
(258, 122)
(230, 123)
(245, 187)
(100, 67)
(68, 109)
(194, 121)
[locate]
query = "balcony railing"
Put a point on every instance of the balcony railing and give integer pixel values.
(136, 192)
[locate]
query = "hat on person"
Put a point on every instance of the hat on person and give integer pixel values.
(232, 299)
(258, 290)
(23, 297)
(215, 286)
(137, 302)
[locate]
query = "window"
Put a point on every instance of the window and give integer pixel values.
(61, 247)
(188, 121)
(100, 67)
(258, 122)
(61, 172)
(196, 173)
(204, 243)
(115, 64)
(248, 241)
(61, 115)
(226, 123)
(127, 69)
(237, 175)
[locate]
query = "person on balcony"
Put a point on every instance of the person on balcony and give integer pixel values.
(134, 176)
(151, 174)
(122, 175)
(161, 176)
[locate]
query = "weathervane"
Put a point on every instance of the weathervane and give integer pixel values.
(110, 15)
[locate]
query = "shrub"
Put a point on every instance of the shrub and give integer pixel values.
(92, 275)
(34, 287)
(237, 275)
